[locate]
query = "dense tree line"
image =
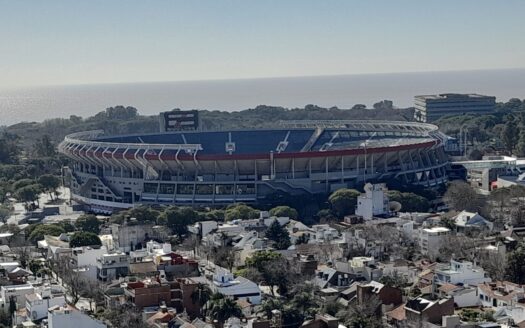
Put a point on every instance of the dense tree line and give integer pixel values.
(503, 130)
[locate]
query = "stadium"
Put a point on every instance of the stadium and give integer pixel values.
(220, 167)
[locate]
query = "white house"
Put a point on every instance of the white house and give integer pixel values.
(460, 272)
(16, 292)
(322, 233)
(85, 259)
(464, 296)
(431, 240)
(38, 303)
(224, 282)
(500, 294)
(60, 317)
(373, 202)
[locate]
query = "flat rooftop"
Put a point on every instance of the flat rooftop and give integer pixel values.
(453, 96)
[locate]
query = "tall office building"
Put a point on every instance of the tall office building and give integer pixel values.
(431, 107)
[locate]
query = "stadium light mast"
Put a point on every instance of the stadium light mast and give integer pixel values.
(363, 144)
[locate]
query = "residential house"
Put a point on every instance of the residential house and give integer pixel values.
(38, 303)
(419, 310)
(432, 239)
(67, 316)
(463, 296)
(112, 266)
(127, 236)
(460, 272)
(500, 294)
(222, 281)
(328, 277)
(466, 221)
(17, 293)
(389, 296)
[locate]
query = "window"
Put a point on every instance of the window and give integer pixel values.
(150, 188)
(166, 188)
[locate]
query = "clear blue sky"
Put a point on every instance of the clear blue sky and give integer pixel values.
(77, 42)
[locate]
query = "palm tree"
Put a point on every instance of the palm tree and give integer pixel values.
(269, 305)
(201, 295)
(221, 309)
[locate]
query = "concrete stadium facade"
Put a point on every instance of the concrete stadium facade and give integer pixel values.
(220, 167)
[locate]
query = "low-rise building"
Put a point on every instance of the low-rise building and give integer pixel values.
(112, 266)
(500, 293)
(463, 296)
(460, 272)
(129, 235)
(373, 203)
(221, 280)
(60, 317)
(16, 293)
(466, 221)
(38, 303)
(432, 239)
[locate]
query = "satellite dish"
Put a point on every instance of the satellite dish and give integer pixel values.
(394, 206)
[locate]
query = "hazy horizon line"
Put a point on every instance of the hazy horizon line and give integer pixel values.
(256, 78)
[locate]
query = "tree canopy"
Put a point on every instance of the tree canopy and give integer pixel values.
(461, 196)
(240, 211)
(279, 235)
(178, 219)
(285, 211)
(41, 230)
(84, 238)
(88, 223)
(49, 183)
(343, 201)
(410, 202)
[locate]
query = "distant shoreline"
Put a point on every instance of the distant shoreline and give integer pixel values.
(343, 91)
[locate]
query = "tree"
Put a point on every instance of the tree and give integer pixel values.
(260, 259)
(44, 147)
(395, 280)
(279, 235)
(223, 308)
(124, 315)
(94, 291)
(28, 194)
(343, 201)
(240, 211)
(84, 238)
(88, 223)
(121, 113)
(363, 313)
(49, 183)
(509, 135)
(305, 299)
(41, 230)
(284, 211)
(273, 270)
(22, 183)
(515, 269)
(9, 149)
(326, 215)
(143, 213)
(5, 213)
(200, 296)
(385, 104)
(409, 201)
(178, 219)
(461, 196)
(73, 281)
